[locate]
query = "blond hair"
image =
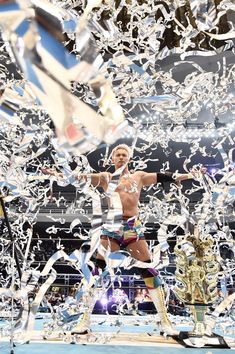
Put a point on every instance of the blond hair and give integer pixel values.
(121, 146)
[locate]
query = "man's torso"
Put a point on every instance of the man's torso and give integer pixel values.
(129, 188)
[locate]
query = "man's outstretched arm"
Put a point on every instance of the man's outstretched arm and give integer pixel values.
(97, 179)
(158, 177)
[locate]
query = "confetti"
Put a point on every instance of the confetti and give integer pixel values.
(95, 73)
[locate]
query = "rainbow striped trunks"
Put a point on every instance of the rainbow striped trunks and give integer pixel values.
(132, 231)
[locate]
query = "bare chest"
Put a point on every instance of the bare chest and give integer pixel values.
(127, 184)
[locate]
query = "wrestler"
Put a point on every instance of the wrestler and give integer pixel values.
(131, 237)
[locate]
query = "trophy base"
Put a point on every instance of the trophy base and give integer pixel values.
(194, 341)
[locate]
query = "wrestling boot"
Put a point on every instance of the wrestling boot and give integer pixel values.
(158, 298)
(83, 325)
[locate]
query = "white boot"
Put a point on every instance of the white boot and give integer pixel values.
(83, 325)
(158, 298)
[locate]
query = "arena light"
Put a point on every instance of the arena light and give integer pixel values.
(104, 301)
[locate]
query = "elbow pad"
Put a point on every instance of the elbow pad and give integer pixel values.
(165, 177)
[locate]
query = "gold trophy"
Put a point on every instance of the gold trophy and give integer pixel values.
(196, 277)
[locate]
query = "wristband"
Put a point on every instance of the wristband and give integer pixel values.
(165, 177)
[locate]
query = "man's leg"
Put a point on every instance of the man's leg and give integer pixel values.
(90, 298)
(139, 250)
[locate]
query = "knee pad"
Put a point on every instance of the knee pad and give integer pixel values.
(151, 277)
(153, 282)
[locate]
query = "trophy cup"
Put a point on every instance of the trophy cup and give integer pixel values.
(196, 275)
